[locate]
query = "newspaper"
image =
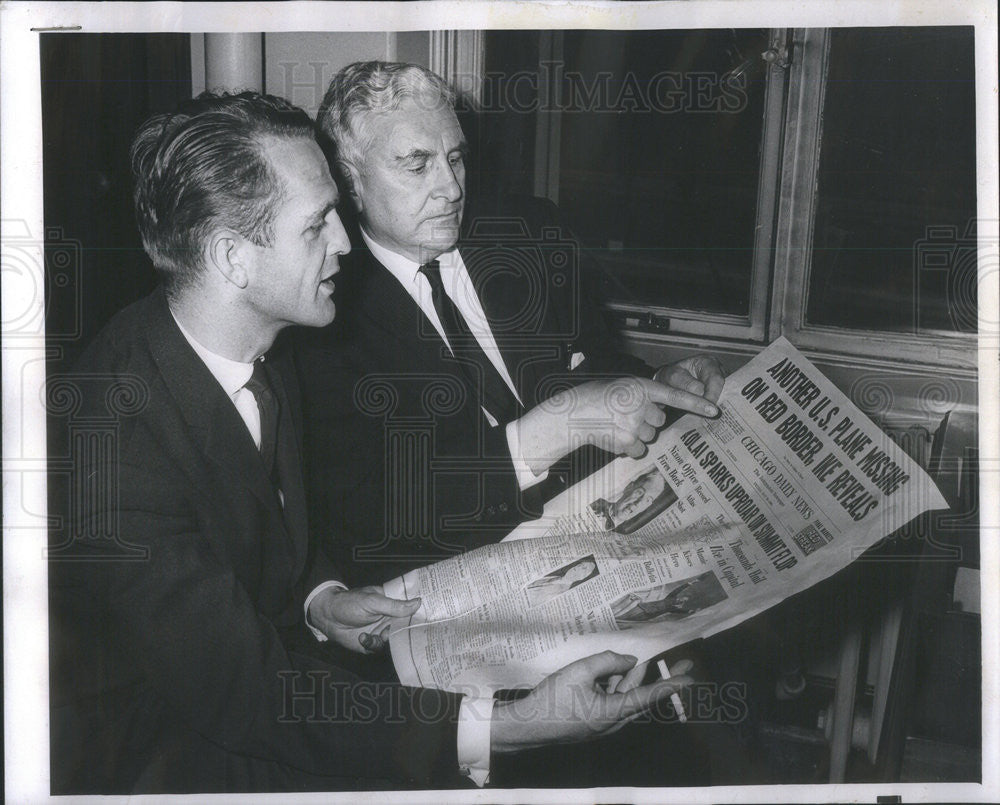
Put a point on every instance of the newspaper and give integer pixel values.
(720, 520)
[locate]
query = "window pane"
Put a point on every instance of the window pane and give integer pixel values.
(659, 160)
(896, 195)
(502, 132)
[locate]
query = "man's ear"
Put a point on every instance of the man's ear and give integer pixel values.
(352, 179)
(228, 253)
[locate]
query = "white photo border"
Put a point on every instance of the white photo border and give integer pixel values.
(25, 624)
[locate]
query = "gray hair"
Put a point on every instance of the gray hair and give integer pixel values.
(373, 87)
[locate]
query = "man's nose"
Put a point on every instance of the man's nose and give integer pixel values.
(339, 242)
(450, 184)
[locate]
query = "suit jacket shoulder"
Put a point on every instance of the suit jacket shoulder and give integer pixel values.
(178, 584)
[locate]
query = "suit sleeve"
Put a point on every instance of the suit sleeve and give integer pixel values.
(387, 493)
(197, 638)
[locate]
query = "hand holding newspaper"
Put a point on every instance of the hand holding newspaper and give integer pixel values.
(720, 520)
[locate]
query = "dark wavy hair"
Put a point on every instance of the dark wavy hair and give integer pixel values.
(204, 167)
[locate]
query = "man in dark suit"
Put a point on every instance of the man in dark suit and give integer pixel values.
(443, 405)
(183, 590)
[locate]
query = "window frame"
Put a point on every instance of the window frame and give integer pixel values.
(795, 92)
(753, 326)
(684, 321)
(799, 186)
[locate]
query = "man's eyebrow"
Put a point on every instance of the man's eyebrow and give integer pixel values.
(325, 211)
(419, 154)
(415, 154)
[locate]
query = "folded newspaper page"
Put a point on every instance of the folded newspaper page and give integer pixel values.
(720, 520)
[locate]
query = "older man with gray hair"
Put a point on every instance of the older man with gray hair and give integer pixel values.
(469, 337)
(191, 620)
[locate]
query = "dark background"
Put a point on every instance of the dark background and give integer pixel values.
(665, 202)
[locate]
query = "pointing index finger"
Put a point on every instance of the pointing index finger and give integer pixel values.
(665, 395)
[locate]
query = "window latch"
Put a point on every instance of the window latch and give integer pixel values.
(777, 54)
(644, 322)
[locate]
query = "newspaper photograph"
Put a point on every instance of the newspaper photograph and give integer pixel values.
(720, 520)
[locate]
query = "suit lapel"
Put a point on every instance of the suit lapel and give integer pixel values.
(504, 301)
(213, 423)
(410, 341)
(289, 458)
(520, 298)
(391, 309)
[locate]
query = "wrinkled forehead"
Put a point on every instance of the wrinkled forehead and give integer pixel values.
(411, 101)
(422, 122)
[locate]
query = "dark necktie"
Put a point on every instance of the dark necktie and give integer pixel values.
(267, 405)
(497, 396)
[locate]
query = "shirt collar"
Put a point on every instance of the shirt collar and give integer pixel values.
(232, 375)
(403, 268)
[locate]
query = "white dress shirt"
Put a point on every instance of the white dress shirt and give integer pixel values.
(458, 285)
(474, 715)
(233, 377)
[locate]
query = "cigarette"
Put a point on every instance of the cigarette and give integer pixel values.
(675, 700)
